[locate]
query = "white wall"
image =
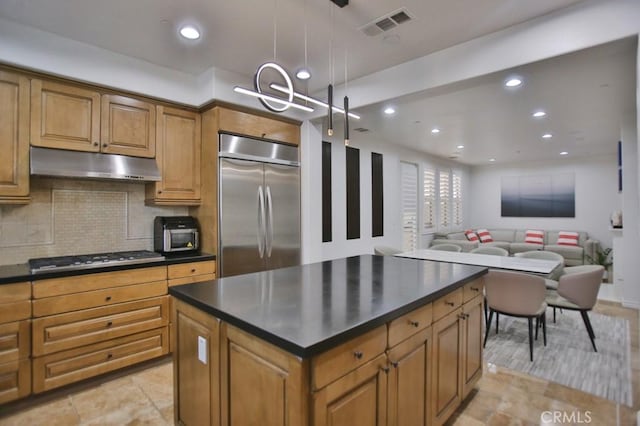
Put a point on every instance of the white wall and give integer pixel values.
(312, 137)
(596, 195)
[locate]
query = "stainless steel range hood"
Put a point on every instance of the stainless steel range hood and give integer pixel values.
(61, 163)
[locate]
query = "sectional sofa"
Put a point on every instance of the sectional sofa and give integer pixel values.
(513, 240)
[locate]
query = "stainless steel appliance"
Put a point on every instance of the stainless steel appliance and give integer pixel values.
(175, 234)
(259, 205)
(87, 261)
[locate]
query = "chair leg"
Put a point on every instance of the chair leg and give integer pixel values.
(486, 317)
(554, 314)
(587, 324)
(497, 321)
(544, 328)
(530, 338)
(537, 326)
(486, 332)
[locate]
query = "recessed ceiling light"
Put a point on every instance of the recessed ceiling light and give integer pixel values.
(189, 32)
(460, 146)
(539, 114)
(303, 74)
(547, 136)
(513, 82)
(435, 130)
(564, 153)
(492, 159)
(389, 110)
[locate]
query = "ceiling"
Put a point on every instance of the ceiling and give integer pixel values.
(584, 93)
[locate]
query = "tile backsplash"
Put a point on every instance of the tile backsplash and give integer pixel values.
(69, 216)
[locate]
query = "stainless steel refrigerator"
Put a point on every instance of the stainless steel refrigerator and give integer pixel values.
(259, 205)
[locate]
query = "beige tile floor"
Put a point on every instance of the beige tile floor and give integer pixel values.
(502, 397)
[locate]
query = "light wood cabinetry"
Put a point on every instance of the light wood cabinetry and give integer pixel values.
(14, 138)
(178, 151)
(91, 324)
(64, 116)
(15, 344)
(243, 123)
(193, 272)
(415, 370)
(128, 126)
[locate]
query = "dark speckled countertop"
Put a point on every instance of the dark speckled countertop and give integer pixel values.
(21, 273)
(311, 308)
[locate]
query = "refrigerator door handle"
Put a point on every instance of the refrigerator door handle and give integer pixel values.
(269, 227)
(261, 222)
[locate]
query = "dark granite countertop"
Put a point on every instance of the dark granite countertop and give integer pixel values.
(21, 273)
(309, 309)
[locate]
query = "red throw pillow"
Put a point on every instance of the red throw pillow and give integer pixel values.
(567, 238)
(484, 235)
(534, 237)
(471, 235)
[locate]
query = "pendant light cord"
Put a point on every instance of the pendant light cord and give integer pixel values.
(275, 29)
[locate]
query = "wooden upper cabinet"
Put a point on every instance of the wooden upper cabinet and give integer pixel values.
(65, 117)
(128, 126)
(14, 138)
(254, 125)
(178, 155)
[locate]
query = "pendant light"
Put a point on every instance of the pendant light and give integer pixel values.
(304, 73)
(346, 102)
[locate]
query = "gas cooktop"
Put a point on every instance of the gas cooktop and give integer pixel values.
(86, 261)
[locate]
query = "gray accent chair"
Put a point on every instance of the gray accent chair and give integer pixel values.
(446, 247)
(386, 250)
(494, 251)
(578, 291)
(552, 282)
(519, 295)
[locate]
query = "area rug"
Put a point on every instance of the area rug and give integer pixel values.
(568, 358)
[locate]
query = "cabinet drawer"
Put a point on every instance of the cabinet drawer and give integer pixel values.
(18, 292)
(52, 371)
(447, 303)
(192, 279)
(15, 339)
(15, 380)
(471, 290)
(409, 324)
(336, 362)
(15, 311)
(92, 299)
(82, 283)
(66, 331)
(192, 269)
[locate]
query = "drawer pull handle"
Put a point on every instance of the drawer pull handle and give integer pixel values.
(385, 369)
(461, 316)
(475, 289)
(109, 356)
(449, 303)
(358, 354)
(109, 324)
(108, 298)
(414, 323)
(193, 270)
(395, 364)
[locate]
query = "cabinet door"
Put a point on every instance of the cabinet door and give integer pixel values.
(261, 384)
(359, 397)
(472, 344)
(196, 366)
(410, 380)
(447, 350)
(128, 126)
(65, 117)
(261, 127)
(14, 138)
(178, 156)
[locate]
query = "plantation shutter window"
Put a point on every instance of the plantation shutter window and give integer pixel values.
(457, 199)
(445, 199)
(409, 181)
(429, 200)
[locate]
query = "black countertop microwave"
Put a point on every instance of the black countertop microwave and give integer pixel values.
(176, 234)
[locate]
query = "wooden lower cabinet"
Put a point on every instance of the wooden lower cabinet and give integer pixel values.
(196, 377)
(471, 365)
(360, 397)
(15, 341)
(409, 400)
(15, 380)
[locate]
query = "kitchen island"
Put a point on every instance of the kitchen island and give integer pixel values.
(362, 340)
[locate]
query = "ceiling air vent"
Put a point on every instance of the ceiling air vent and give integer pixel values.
(361, 130)
(386, 22)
